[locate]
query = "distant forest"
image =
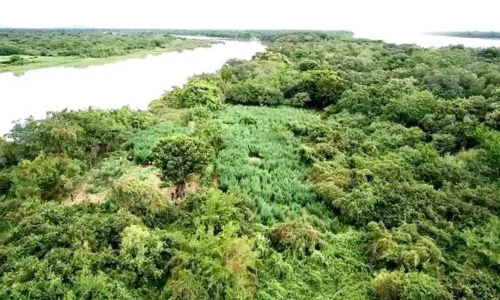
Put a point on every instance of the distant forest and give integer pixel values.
(471, 34)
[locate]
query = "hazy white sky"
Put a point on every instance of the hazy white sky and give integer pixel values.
(356, 15)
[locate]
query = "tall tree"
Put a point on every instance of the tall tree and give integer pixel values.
(180, 157)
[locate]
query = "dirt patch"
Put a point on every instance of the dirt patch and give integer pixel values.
(192, 186)
(81, 195)
(254, 159)
(191, 125)
(215, 181)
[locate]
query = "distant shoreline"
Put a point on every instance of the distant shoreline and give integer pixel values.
(40, 62)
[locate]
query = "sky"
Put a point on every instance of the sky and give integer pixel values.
(355, 15)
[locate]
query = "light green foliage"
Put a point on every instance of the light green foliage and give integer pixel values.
(214, 261)
(142, 144)
(140, 198)
(260, 160)
(295, 236)
(111, 168)
(410, 109)
(490, 149)
(210, 131)
(181, 156)
(413, 285)
(402, 247)
(271, 56)
(46, 177)
(336, 271)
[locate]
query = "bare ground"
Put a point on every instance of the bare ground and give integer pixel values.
(81, 195)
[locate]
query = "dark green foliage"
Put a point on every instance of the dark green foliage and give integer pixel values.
(323, 86)
(472, 34)
(263, 35)
(254, 93)
(410, 109)
(197, 92)
(84, 43)
(181, 156)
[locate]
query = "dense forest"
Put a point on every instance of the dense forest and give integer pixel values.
(326, 167)
(472, 34)
(25, 48)
(262, 35)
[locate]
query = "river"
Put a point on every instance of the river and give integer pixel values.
(133, 82)
(426, 40)
(136, 82)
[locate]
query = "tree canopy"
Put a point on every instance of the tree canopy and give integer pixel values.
(327, 167)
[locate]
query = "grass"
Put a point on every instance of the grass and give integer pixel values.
(260, 159)
(276, 181)
(142, 144)
(39, 62)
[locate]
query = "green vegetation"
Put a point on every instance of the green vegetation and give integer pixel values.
(325, 168)
(262, 35)
(26, 49)
(179, 157)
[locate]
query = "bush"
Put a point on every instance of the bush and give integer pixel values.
(253, 92)
(295, 236)
(411, 286)
(140, 198)
(46, 177)
(197, 92)
(324, 87)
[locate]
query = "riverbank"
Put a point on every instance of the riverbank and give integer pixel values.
(40, 62)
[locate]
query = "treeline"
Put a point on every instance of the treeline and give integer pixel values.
(325, 168)
(263, 35)
(471, 34)
(82, 43)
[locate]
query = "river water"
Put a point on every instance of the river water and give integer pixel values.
(136, 82)
(425, 40)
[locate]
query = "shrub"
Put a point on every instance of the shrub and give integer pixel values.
(46, 177)
(197, 92)
(253, 92)
(411, 286)
(295, 236)
(324, 87)
(140, 198)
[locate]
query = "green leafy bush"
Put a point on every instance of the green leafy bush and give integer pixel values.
(46, 177)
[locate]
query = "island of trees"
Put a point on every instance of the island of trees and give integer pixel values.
(326, 167)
